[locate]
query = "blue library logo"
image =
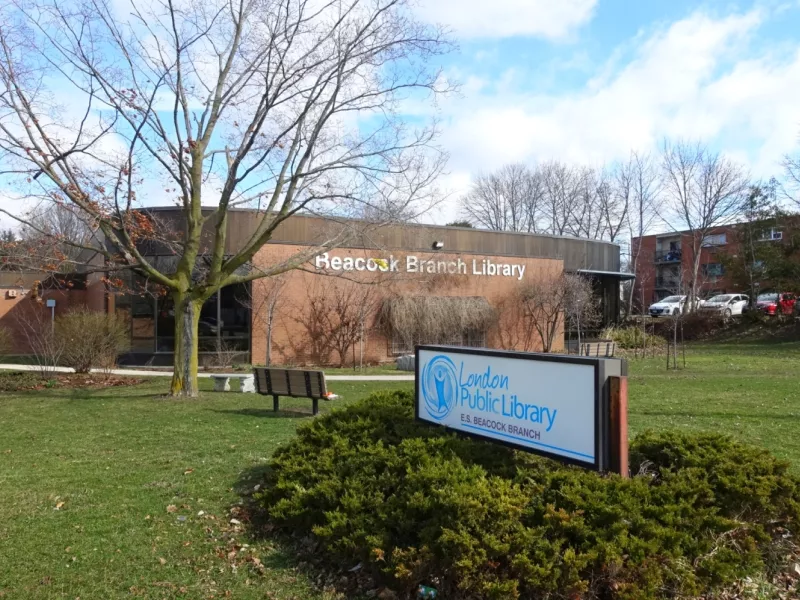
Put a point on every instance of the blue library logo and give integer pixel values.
(439, 386)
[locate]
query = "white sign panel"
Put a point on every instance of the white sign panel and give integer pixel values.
(547, 404)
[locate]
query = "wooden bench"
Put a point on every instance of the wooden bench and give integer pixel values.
(602, 349)
(293, 383)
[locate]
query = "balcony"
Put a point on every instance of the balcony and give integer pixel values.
(668, 256)
(668, 283)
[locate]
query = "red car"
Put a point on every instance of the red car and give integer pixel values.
(776, 303)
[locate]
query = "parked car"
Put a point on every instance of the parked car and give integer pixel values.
(776, 303)
(726, 304)
(672, 305)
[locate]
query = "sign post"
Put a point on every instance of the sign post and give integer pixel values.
(51, 304)
(553, 405)
(618, 406)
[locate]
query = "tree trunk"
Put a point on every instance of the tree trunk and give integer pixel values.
(629, 307)
(270, 312)
(184, 375)
(695, 277)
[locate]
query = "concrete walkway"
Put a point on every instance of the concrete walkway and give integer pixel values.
(167, 373)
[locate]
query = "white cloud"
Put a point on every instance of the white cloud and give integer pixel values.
(696, 79)
(552, 19)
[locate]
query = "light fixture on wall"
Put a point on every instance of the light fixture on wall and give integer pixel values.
(437, 245)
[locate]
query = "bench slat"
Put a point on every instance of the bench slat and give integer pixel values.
(295, 383)
(597, 349)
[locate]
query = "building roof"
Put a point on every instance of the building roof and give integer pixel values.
(577, 253)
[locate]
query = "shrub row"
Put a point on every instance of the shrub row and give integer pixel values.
(631, 337)
(416, 505)
(81, 338)
(91, 339)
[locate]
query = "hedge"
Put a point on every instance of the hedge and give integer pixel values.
(416, 505)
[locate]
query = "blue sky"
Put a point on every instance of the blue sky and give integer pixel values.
(589, 80)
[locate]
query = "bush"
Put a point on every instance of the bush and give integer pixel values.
(5, 341)
(91, 339)
(696, 326)
(417, 505)
(632, 337)
(11, 381)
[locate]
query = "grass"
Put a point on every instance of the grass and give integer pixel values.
(118, 458)
(748, 389)
(133, 472)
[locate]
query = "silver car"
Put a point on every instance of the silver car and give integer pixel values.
(726, 305)
(672, 305)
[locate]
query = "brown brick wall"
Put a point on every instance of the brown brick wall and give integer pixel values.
(14, 312)
(647, 271)
(290, 343)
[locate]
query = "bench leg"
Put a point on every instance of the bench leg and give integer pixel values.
(275, 403)
(315, 405)
(247, 385)
(222, 384)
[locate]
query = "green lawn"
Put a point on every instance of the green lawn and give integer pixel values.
(134, 471)
(117, 459)
(750, 390)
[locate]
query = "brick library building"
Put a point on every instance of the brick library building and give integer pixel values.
(365, 301)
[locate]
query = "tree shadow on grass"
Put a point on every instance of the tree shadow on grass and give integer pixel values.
(264, 413)
(256, 519)
(718, 415)
(82, 394)
(290, 552)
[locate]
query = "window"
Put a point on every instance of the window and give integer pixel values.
(224, 322)
(716, 239)
(65, 281)
(771, 234)
(713, 270)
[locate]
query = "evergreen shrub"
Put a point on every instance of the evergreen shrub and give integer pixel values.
(417, 505)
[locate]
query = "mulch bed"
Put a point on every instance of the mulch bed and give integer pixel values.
(31, 381)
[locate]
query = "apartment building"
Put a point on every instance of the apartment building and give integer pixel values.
(665, 262)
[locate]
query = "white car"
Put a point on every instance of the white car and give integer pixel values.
(671, 305)
(726, 304)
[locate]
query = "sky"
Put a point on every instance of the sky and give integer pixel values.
(590, 80)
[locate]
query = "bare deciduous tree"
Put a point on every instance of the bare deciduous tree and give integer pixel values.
(509, 199)
(704, 190)
(284, 107)
(39, 334)
(562, 187)
(350, 304)
(265, 300)
(544, 303)
(581, 306)
(639, 182)
(513, 329)
(335, 319)
(58, 221)
(551, 198)
(791, 186)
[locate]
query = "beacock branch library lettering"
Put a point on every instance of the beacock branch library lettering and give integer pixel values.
(367, 300)
(415, 264)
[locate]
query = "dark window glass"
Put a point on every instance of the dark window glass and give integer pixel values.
(235, 318)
